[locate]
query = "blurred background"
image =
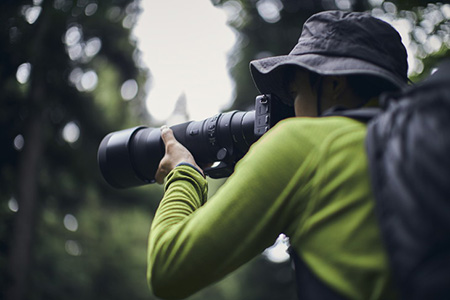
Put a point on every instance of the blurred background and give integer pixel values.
(72, 71)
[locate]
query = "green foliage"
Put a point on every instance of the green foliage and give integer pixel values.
(105, 258)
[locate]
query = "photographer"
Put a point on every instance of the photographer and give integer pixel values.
(307, 177)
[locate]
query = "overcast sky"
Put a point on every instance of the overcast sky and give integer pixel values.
(185, 46)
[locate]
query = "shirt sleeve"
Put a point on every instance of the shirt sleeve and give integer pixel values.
(194, 243)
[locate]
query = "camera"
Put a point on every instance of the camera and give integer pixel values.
(131, 157)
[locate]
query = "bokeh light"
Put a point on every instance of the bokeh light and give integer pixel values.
(129, 89)
(13, 205)
(73, 248)
(269, 10)
(23, 73)
(71, 132)
(32, 13)
(92, 47)
(19, 142)
(70, 222)
(277, 253)
(90, 9)
(88, 82)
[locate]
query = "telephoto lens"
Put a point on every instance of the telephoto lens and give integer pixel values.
(131, 157)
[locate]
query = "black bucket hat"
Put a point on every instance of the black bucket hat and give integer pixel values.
(338, 43)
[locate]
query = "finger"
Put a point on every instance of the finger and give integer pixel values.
(167, 134)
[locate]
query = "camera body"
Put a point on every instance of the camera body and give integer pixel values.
(131, 157)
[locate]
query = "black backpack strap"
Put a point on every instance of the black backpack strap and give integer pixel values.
(309, 286)
(364, 114)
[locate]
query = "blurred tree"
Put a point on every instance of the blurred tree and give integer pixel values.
(69, 74)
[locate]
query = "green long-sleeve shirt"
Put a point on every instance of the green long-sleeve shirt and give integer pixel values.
(307, 178)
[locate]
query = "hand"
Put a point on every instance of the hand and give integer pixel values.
(175, 153)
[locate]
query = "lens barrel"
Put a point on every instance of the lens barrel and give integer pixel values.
(131, 157)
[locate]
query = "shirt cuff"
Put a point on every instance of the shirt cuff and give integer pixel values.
(192, 166)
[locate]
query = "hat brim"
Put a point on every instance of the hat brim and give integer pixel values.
(267, 73)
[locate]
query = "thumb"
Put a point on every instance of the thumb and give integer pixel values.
(167, 134)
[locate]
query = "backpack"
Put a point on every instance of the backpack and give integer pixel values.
(408, 147)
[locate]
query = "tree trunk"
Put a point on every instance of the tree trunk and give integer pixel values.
(27, 196)
(27, 189)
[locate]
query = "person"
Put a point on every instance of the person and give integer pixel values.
(307, 177)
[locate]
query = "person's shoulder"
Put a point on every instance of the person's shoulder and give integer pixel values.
(322, 124)
(316, 132)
